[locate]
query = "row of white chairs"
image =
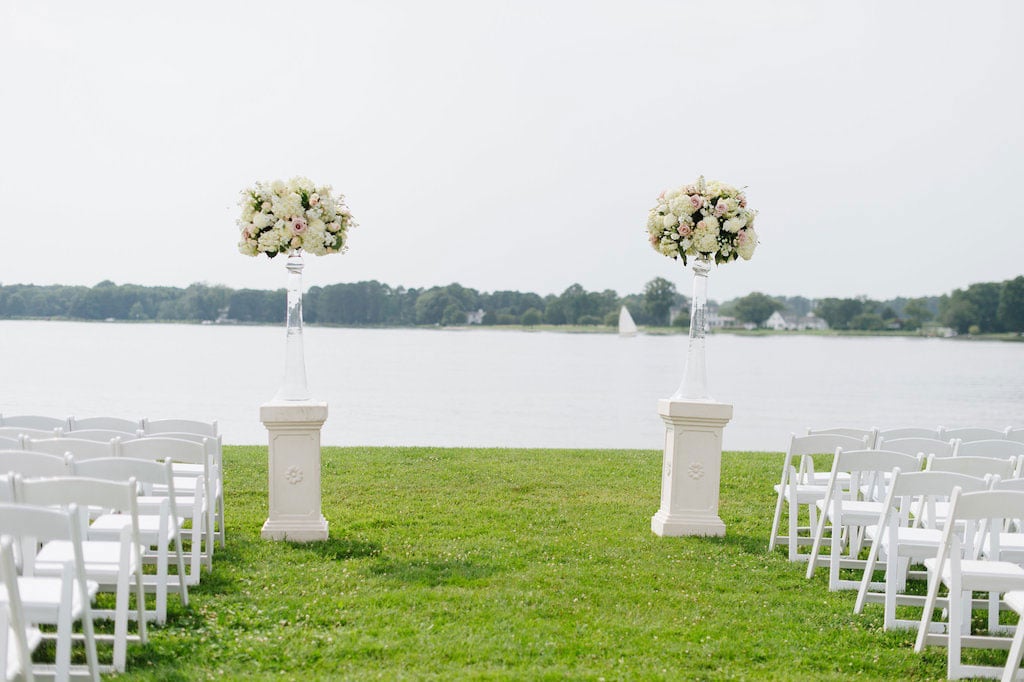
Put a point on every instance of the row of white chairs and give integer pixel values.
(962, 516)
(66, 424)
(964, 434)
(801, 487)
(16, 429)
(123, 513)
(194, 469)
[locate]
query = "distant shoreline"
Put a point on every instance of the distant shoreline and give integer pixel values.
(564, 329)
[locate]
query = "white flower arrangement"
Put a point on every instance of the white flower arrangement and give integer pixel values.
(281, 217)
(703, 220)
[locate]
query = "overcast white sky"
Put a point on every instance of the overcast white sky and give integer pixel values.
(516, 145)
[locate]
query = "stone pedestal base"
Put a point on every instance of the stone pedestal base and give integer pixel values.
(294, 470)
(692, 468)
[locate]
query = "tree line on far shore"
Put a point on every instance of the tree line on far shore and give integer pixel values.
(980, 308)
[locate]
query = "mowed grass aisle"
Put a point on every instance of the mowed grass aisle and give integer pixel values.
(515, 564)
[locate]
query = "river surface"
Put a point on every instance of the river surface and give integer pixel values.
(484, 387)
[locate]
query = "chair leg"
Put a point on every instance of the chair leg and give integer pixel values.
(929, 608)
(1013, 660)
(865, 582)
(794, 527)
(121, 623)
(836, 558)
(816, 545)
(777, 518)
(956, 615)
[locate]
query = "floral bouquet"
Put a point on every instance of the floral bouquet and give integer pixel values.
(281, 217)
(709, 220)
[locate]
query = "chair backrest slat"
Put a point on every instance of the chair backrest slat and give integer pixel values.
(991, 448)
(160, 426)
(919, 446)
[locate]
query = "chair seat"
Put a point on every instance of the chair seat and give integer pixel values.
(858, 512)
(1015, 600)
(912, 542)
(109, 526)
(102, 558)
(805, 494)
(984, 576)
(41, 597)
(1011, 547)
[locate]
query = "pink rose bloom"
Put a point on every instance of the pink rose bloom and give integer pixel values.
(662, 195)
(685, 231)
(299, 225)
(743, 201)
(696, 201)
(719, 208)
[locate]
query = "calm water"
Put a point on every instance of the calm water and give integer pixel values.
(505, 388)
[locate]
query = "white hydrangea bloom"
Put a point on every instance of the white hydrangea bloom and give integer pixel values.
(746, 242)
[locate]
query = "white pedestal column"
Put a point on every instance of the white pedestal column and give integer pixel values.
(294, 470)
(692, 467)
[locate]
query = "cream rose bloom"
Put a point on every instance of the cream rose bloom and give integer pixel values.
(669, 221)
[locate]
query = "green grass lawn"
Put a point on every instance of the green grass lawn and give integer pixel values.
(515, 564)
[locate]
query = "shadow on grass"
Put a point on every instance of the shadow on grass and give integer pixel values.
(432, 573)
(338, 549)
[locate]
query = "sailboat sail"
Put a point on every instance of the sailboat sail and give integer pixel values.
(626, 325)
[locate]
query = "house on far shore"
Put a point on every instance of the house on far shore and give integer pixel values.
(716, 321)
(780, 322)
(476, 317)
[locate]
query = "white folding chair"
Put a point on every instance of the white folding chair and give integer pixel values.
(978, 467)
(991, 448)
(187, 481)
(916, 445)
(214, 448)
(911, 432)
(115, 565)
(960, 567)
(105, 424)
(800, 487)
(18, 639)
(189, 429)
(33, 464)
(58, 600)
(79, 448)
(160, 527)
(899, 543)
(966, 434)
(848, 511)
(35, 421)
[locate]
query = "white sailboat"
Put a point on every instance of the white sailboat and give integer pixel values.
(627, 327)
